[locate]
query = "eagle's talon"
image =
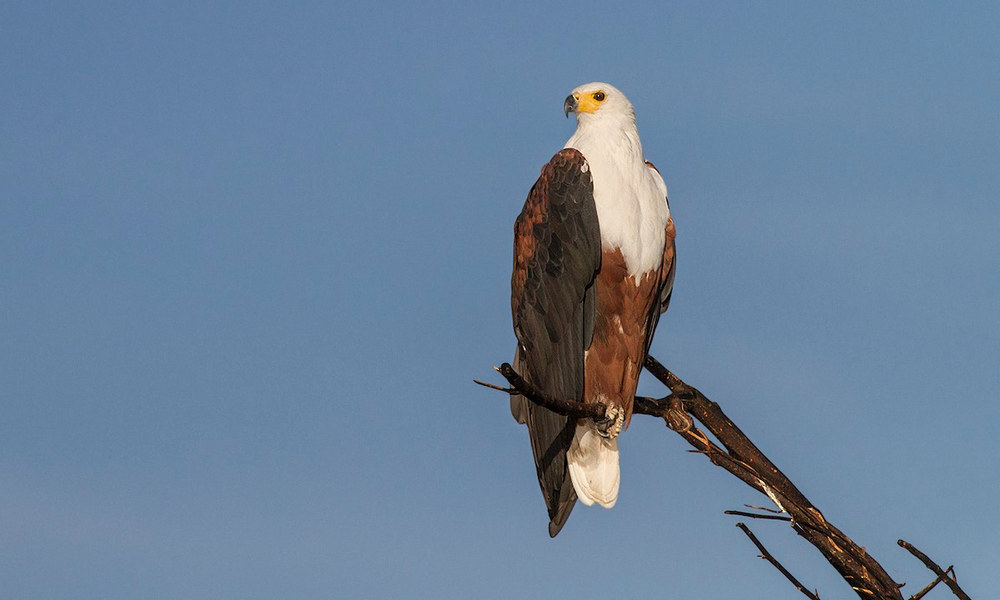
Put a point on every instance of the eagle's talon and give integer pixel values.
(611, 425)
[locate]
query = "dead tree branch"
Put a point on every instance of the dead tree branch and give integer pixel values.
(930, 586)
(777, 565)
(930, 564)
(741, 457)
(560, 406)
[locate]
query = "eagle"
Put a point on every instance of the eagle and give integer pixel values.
(593, 271)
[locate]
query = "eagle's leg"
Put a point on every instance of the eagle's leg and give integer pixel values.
(611, 425)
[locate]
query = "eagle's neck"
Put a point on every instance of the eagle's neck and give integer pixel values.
(631, 208)
(613, 134)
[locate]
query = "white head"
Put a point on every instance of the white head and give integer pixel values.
(599, 102)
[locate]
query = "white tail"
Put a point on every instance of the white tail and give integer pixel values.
(593, 466)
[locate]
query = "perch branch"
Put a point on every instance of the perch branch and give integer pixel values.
(862, 572)
(567, 408)
(741, 457)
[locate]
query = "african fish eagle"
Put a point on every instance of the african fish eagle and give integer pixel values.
(593, 271)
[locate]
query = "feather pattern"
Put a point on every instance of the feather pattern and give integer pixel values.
(633, 213)
(557, 252)
(593, 270)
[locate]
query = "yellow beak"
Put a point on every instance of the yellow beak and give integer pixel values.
(578, 103)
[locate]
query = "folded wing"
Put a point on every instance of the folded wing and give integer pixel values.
(557, 253)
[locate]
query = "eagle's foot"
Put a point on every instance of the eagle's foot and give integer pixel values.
(677, 417)
(611, 425)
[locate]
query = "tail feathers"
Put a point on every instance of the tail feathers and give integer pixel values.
(593, 466)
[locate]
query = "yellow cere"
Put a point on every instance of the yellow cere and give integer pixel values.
(589, 102)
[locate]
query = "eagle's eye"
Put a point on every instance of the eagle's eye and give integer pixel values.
(599, 96)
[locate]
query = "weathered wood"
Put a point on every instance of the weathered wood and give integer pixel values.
(777, 565)
(742, 458)
(859, 569)
(567, 408)
(930, 564)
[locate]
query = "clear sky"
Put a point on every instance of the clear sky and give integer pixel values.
(254, 254)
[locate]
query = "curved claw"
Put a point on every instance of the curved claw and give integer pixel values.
(611, 425)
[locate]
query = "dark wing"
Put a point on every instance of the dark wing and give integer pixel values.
(557, 252)
(667, 269)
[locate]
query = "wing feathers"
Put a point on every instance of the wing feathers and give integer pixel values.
(557, 252)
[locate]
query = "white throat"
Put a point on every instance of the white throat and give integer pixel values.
(630, 196)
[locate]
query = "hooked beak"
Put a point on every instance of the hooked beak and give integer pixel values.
(570, 105)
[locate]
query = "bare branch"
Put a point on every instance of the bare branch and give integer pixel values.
(568, 408)
(764, 508)
(741, 457)
(494, 387)
(930, 564)
(740, 513)
(777, 565)
(930, 586)
(744, 460)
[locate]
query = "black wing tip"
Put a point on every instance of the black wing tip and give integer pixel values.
(560, 517)
(555, 528)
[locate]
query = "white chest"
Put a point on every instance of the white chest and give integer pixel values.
(631, 206)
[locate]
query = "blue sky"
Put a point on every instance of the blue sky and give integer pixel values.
(253, 256)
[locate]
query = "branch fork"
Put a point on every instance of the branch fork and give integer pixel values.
(738, 455)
